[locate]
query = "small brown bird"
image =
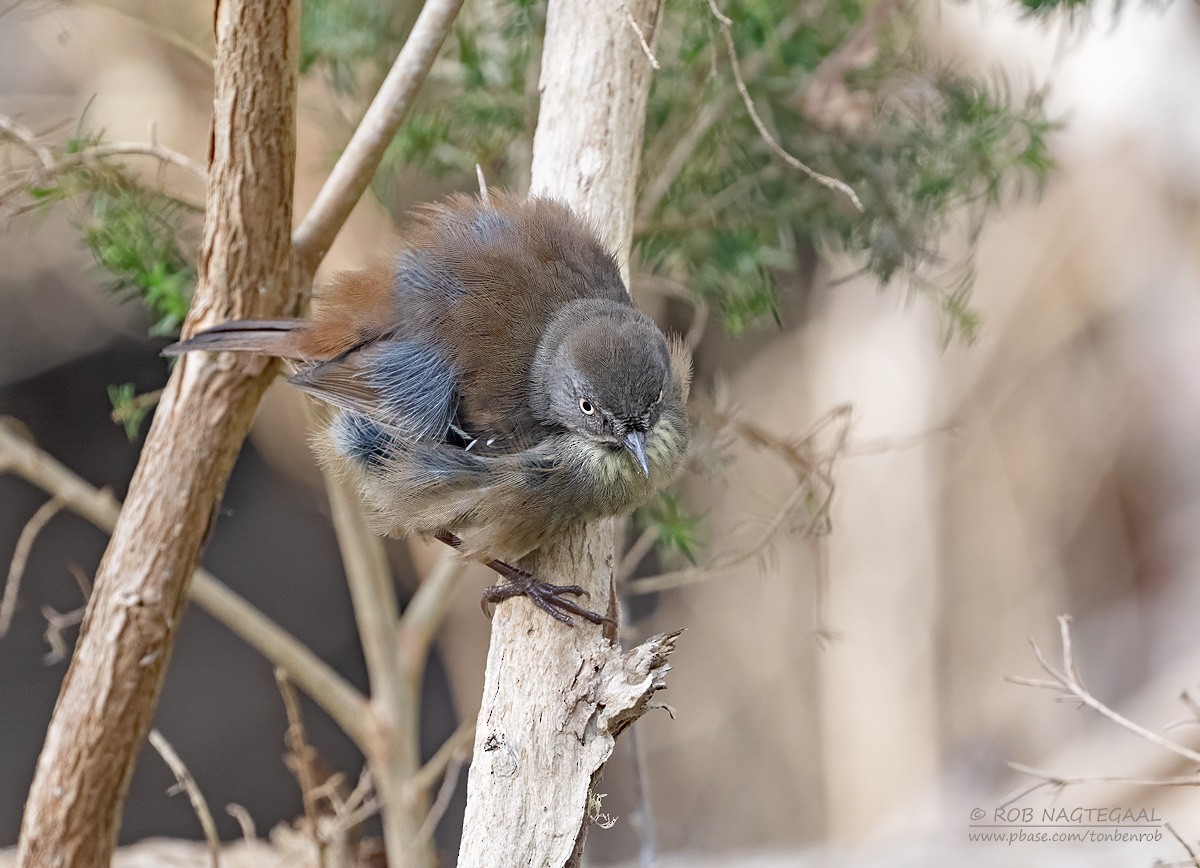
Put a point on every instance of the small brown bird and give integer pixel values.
(493, 388)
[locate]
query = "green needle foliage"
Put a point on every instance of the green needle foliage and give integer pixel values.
(129, 410)
(678, 530)
(351, 40)
(146, 240)
(923, 147)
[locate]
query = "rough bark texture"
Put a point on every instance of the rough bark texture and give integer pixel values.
(555, 697)
(246, 270)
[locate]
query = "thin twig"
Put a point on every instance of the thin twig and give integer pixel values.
(1060, 781)
(244, 820)
(187, 784)
(354, 169)
(26, 139)
(742, 554)
(726, 25)
(16, 569)
(48, 164)
(814, 492)
(1068, 683)
(637, 28)
(300, 754)
(334, 694)
(56, 623)
(1193, 858)
(90, 155)
(357, 807)
(711, 113)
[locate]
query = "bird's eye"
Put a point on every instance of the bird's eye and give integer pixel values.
(586, 407)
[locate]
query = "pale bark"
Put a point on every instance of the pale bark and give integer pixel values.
(246, 270)
(555, 697)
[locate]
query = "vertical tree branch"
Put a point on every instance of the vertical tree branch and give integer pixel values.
(246, 269)
(555, 696)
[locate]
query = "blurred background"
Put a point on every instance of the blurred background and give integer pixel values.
(925, 431)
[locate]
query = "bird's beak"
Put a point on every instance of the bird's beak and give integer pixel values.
(635, 442)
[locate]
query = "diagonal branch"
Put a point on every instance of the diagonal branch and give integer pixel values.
(354, 169)
(334, 694)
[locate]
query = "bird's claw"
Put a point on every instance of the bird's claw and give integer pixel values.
(546, 596)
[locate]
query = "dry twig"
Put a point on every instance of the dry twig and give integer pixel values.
(244, 821)
(1193, 858)
(300, 760)
(807, 505)
(16, 569)
(47, 165)
(1067, 683)
(726, 27)
(186, 783)
(637, 28)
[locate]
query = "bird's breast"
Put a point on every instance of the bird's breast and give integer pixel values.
(604, 480)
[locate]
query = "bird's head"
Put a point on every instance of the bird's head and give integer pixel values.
(604, 372)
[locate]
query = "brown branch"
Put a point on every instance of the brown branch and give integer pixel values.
(16, 569)
(354, 169)
(246, 270)
(726, 27)
(187, 784)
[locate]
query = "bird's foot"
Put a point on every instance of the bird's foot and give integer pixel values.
(549, 598)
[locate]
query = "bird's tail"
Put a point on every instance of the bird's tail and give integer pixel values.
(283, 338)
